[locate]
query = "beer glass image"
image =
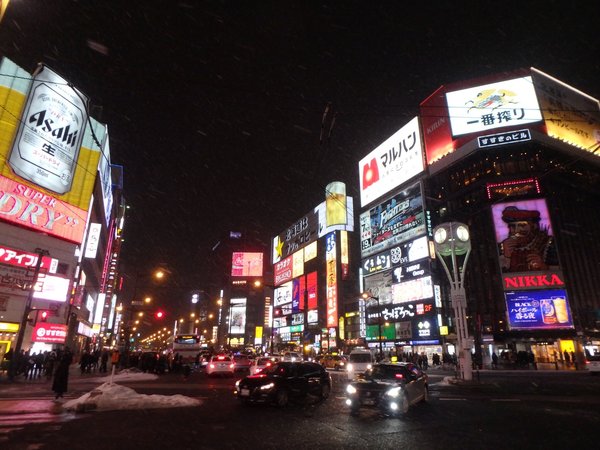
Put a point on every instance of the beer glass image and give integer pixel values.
(335, 203)
(560, 307)
(548, 312)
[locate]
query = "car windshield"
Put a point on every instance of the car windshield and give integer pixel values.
(360, 357)
(388, 373)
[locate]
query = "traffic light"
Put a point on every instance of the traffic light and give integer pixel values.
(44, 316)
(277, 312)
(159, 314)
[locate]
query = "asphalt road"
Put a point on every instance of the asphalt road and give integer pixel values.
(530, 409)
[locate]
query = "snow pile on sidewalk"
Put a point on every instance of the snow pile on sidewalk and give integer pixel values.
(113, 396)
(125, 375)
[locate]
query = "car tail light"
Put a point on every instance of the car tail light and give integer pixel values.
(221, 358)
(231, 366)
(212, 366)
(268, 364)
(399, 376)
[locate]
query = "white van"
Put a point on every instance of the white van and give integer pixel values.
(359, 360)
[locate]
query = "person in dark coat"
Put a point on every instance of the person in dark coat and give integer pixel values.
(61, 374)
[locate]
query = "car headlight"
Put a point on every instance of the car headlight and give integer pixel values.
(369, 367)
(394, 392)
(350, 389)
(237, 383)
(349, 367)
(267, 387)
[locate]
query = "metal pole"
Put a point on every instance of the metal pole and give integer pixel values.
(379, 323)
(17, 352)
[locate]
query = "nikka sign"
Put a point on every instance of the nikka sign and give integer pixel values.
(532, 280)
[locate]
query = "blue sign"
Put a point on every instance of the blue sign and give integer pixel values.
(547, 309)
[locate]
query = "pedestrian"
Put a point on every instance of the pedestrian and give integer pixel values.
(567, 358)
(494, 360)
(103, 360)
(61, 374)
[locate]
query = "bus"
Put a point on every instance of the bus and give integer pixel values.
(187, 346)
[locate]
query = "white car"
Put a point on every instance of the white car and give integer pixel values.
(593, 364)
(292, 357)
(220, 365)
(359, 360)
(259, 364)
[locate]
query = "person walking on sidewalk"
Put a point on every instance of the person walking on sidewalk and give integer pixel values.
(61, 374)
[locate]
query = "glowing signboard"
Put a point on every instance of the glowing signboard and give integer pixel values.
(538, 309)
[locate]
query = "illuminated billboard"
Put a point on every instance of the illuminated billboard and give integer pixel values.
(507, 103)
(282, 271)
(395, 161)
(544, 309)
(411, 290)
(392, 222)
(283, 294)
(524, 236)
(569, 114)
(48, 165)
(245, 264)
(299, 235)
(331, 276)
(407, 252)
(50, 333)
(237, 316)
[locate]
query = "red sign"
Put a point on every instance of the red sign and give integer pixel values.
(53, 333)
(311, 287)
(25, 259)
(283, 271)
(524, 281)
(25, 206)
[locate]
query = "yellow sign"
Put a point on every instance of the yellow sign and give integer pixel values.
(259, 332)
(9, 327)
(444, 330)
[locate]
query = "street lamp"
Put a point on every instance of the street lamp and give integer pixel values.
(368, 296)
(452, 240)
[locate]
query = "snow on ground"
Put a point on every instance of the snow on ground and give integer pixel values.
(110, 396)
(125, 375)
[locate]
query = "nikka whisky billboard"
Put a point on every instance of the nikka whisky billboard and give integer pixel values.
(48, 152)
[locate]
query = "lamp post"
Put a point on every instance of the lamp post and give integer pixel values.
(452, 240)
(369, 296)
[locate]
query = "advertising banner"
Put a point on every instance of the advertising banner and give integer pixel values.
(311, 287)
(50, 333)
(405, 253)
(20, 258)
(507, 103)
(412, 271)
(524, 236)
(246, 264)
(415, 289)
(237, 316)
(569, 114)
(298, 236)
(48, 154)
(395, 161)
(545, 309)
(324, 227)
(392, 222)
(283, 294)
(282, 271)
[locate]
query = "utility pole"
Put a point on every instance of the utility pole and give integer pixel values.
(17, 351)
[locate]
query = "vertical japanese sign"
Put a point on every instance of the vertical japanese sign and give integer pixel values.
(331, 276)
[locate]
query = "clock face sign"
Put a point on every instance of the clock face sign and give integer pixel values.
(462, 233)
(440, 235)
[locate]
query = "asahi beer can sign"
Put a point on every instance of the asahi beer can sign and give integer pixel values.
(47, 144)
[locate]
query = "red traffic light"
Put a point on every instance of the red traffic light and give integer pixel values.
(44, 316)
(277, 312)
(159, 314)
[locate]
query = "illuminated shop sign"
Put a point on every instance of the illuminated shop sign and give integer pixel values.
(412, 271)
(325, 227)
(296, 237)
(533, 280)
(508, 137)
(524, 236)
(544, 309)
(380, 285)
(331, 276)
(313, 316)
(55, 289)
(569, 114)
(297, 319)
(310, 251)
(392, 222)
(502, 104)
(298, 293)
(408, 252)
(394, 162)
(19, 258)
(282, 271)
(516, 188)
(283, 294)
(312, 291)
(51, 333)
(47, 177)
(416, 289)
(105, 173)
(93, 239)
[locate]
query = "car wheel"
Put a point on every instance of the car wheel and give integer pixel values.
(325, 391)
(405, 405)
(281, 398)
(425, 395)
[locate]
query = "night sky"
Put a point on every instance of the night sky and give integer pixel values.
(216, 109)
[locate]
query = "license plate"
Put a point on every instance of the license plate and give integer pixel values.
(368, 401)
(245, 392)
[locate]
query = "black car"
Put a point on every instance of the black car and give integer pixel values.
(391, 387)
(283, 381)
